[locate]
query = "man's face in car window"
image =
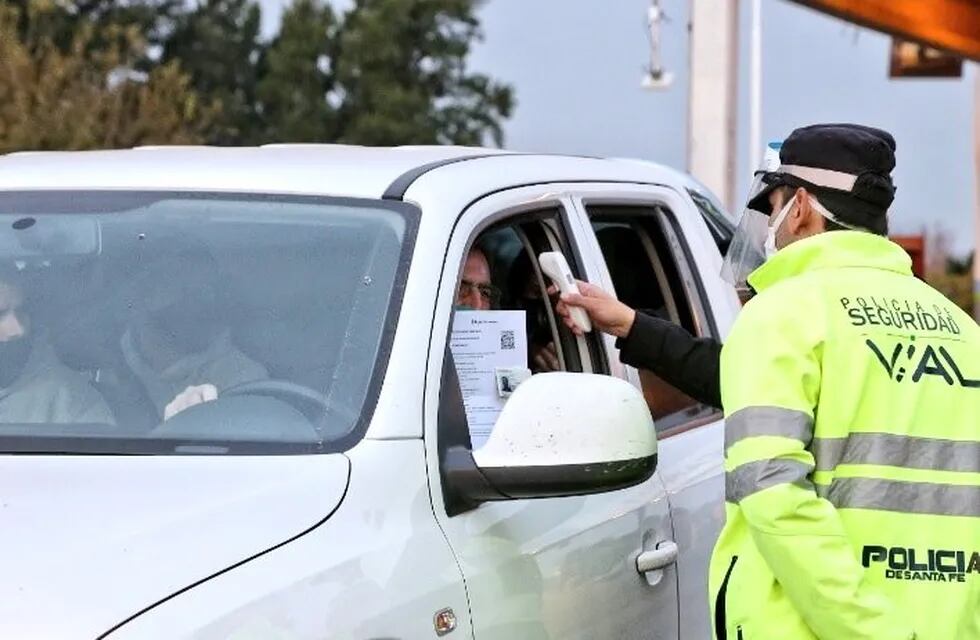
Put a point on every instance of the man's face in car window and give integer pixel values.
(475, 288)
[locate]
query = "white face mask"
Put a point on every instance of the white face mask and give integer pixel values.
(770, 246)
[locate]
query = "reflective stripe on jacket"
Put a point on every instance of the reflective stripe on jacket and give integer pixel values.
(852, 453)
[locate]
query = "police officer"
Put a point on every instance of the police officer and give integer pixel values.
(851, 392)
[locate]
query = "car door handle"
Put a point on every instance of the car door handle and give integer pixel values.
(663, 556)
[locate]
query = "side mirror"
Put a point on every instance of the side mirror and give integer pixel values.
(560, 434)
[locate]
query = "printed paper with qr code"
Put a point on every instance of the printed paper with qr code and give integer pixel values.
(482, 343)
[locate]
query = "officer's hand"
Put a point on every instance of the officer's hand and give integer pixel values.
(190, 397)
(606, 312)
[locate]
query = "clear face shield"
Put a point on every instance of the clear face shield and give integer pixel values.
(746, 253)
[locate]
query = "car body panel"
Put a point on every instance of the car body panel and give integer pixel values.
(555, 567)
(691, 462)
(106, 536)
(695, 482)
(309, 169)
(388, 557)
(379, 567)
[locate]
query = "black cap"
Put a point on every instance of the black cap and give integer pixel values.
(846, 166)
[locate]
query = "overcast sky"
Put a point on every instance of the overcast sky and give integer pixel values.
(576, 67)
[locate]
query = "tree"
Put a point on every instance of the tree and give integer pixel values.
(217, 44)
(85, 97)
(387, 72)
(947, 273)
(962, 266)
(57, 21)
(384, 72)
(400, 69)
(296, 77)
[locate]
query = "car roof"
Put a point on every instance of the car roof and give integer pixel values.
(313, 169)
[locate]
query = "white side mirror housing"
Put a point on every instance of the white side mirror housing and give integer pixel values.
(561, 434)
(558, 419)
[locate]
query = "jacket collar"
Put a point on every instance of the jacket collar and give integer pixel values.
(828, 250)
(40, 361)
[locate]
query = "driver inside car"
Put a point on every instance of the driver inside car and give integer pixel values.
(476, 291)
(178, 345)
(35, 387)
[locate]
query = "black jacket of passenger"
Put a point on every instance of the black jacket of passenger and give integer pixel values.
(689, 363)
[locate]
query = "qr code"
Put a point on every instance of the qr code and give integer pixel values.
(507, 340)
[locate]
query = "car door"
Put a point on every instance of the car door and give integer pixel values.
(548, 567)
(656, 251)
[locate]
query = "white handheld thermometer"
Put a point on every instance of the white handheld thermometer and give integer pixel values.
(555, 266)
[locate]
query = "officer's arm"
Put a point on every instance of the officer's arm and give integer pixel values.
(770, 375)
(670, 351)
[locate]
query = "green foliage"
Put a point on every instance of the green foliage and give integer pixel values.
(95, 73)
(957, 287)
(82, 96)
(401, 68)
(961, 266)
(109, 23)
(296, 78)
(217, 45)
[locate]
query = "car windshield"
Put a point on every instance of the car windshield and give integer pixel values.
(156, 323)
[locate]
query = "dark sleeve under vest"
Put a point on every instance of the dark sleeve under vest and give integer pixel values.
(689, 363)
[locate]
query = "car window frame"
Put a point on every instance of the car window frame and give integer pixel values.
(443, 401)
(566, 240)
(662, 203)
(680, 292)
(697, 296)
(720, 224)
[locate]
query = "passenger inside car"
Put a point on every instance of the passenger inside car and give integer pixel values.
(35, 387)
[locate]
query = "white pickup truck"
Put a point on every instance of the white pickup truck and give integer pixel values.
(331, 490)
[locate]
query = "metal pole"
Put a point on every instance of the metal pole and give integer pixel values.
(755, 88)
(976, 186)
(713, 96)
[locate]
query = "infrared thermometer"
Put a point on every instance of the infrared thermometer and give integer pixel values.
(555, 266)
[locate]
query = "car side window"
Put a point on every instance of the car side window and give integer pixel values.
(500, 272)
(646, 258)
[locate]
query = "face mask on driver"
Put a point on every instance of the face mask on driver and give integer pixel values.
(188, 327)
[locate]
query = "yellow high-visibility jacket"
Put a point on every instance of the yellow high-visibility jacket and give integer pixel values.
(852, 453)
